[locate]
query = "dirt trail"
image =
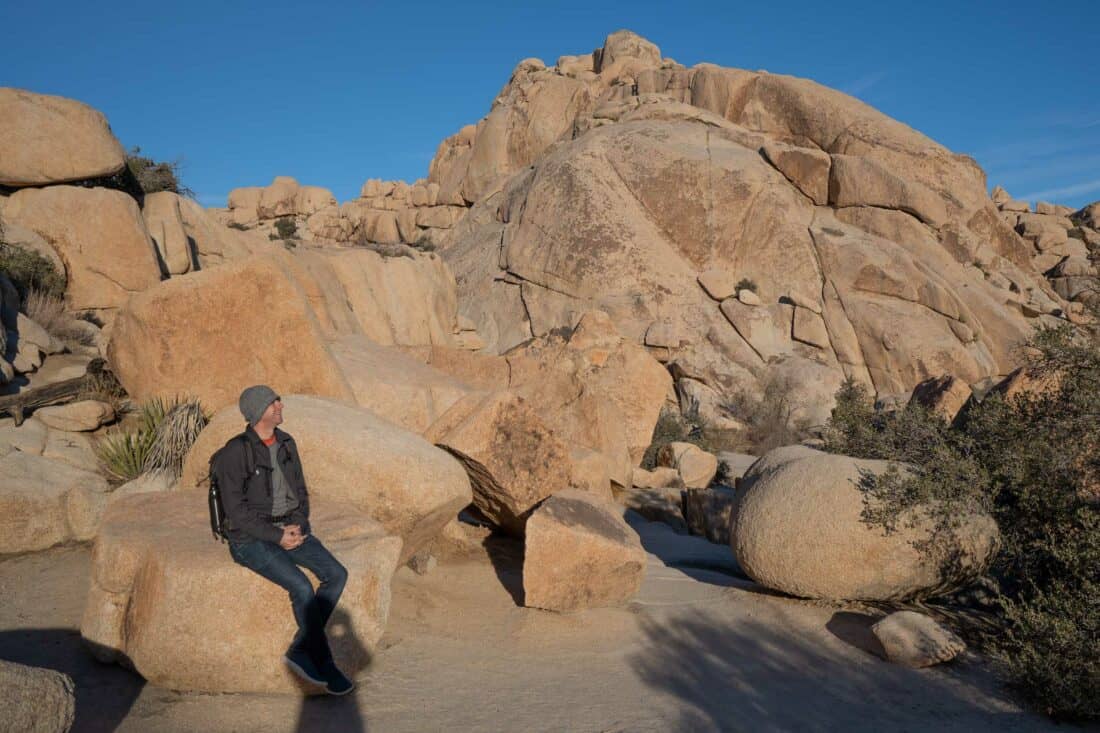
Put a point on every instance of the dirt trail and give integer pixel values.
(699, 650)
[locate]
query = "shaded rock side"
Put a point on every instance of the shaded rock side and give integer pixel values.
(797, 528)
(580, 553)
(159, 579)
(352, 456)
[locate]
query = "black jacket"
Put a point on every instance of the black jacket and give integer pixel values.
(247, 497)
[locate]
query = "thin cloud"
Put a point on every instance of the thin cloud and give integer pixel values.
(863, 84)
(1075, 190)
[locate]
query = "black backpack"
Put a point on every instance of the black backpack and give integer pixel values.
(219, 523)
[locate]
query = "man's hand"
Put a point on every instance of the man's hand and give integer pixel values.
(292, 537)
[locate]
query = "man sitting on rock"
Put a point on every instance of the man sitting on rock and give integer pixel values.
(267, 507)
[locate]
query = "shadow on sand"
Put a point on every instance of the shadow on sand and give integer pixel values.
(104, 692)
(328, 713)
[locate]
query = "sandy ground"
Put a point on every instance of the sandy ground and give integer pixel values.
(698, 650)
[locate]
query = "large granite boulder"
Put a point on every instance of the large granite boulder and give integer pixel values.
(46, 139)
(873, 253)
(351, 455)
(797, 527)
(167, 600)
(580, 553)
(100, 236)
(36, 700)
(164, 221)
(512, 457)
(215, 332)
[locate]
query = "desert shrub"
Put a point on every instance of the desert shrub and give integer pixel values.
(769, 416)
(174, 437)
(123, 454)
(286, 228)
(1033, 462)
(745, 284)
(49, 312)
(154, 176)
(29, 270)
(238, 226)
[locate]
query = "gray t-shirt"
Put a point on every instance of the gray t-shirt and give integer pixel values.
(283, 497)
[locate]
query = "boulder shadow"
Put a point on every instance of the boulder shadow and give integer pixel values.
(855, 629)
(105, 693)
(506, 555)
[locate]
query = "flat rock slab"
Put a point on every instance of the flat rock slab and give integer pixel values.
(168, 600)
(580, 554)
(44, 502)
(77, 417)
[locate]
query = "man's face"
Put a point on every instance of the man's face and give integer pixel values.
(273, 415)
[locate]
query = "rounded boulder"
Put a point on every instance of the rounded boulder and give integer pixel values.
(797, 527)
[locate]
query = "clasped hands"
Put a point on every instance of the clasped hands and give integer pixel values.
(292, 537)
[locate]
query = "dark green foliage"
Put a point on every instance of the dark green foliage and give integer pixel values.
(1033, 462)
(29, 271)
(286, 228)
(238, 226)
(745, 284)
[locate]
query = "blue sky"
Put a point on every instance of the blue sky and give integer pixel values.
(335, 93)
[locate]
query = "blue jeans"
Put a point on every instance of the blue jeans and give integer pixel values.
(311, 610)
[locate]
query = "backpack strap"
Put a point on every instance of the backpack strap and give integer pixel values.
(249, 458)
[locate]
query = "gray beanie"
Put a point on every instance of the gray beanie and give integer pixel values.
(254, 401)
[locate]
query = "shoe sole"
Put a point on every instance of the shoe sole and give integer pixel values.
(303, 674)
(340, 694)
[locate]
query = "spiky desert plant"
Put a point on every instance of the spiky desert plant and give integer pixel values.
(123, 454)
(174, 437)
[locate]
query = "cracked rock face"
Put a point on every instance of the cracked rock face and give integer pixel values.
(863, 248)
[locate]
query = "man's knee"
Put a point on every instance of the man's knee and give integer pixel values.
(300, 590)
(339, 576)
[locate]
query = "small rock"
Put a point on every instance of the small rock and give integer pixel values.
(663, 505)
(914, 640)
(695, 466)
(580, 554)
(36, 700)
(77, 417)
(659, 478)
(719, 284)
(945, 395)
(748, 297)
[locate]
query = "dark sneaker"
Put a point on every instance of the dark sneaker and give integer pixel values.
(301, 665)
(337, 681)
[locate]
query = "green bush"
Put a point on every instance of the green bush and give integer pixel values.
(286, 228)
(29, 271)
(1033, 462)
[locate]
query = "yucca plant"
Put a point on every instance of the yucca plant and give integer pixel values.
(123, 455)
(174, 436)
